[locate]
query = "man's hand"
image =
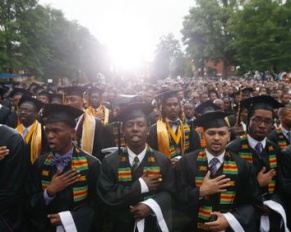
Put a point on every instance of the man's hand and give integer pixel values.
(55, 219)
(174, 161)
(140, 211)
(212, 186)
(3, 152)
(265, 178)
(152, 182)
(61, 181)
(220, 224)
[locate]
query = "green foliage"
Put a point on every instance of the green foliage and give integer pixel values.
(42, 42)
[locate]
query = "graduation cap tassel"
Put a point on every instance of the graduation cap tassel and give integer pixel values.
(238, 129)
(119, 138)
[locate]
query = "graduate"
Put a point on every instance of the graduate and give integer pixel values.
(136, 182)
(216, 189)
(170, 135)
(63, 180)
(265, 158)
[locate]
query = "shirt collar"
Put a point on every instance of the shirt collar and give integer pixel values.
(254, 142)
(210, 156)
(284, 130)
(68, 154)
(131, 155)
(27, 128)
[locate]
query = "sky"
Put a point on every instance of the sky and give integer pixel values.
(130, 29)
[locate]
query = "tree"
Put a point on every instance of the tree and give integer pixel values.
(206, 33)
(262, 35)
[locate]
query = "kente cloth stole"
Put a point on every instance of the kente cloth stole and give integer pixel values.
(88, 133)
(281, 139)
(34, 136)
(170, 142)
(80, 188)
(200, 131)
(125, 173)
(246, 154)
(117, 126)
(102, 113)
(230, 170)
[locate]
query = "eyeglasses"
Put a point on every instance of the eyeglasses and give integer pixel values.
(259, 120)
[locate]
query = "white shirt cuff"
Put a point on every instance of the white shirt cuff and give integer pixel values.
(47, 198)
(68, 221)
(178, 157)
(143, 186)
(233, 222)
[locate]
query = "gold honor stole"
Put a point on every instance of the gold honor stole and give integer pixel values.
(226, 198)
(101, 112)
(169, 141)
(247, 155)
(88, 133)
(80, 188)
(34, 136)
(281, 139)
(125, 173)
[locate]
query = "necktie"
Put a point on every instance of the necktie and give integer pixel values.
(289, 136)
(259, 149)
(135, 163)
(62, 161)
(25, 132)
(212, 165)
(174, 123)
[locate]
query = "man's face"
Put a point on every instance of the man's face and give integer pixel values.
(59, 136)
(260, 124)
(74, 101)
(212, 96)
(189, 111)
(135, 132)
(180, 95)
(15, 99)
(285, 99)
(95, 100)
(216, 139)
(226, 102)
(286, 119)
(43, 99)
(27, 113)
(203, 97)
(171, 108)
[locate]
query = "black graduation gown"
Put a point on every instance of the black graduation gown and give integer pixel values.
(274, 137)
(4, 114)
(97, 144)
(12, 120)
(117, 196)
(194, 138)
(246, 187)
(13, 172)
(258, 164)
(63, 201)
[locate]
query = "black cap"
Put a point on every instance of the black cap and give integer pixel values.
(44, 93)
(205, 107)
(126, 99)
(75, 91)
(38, 104)
(212, 120)
(261, 102)
(61, 113)
(168, 94)
(57, 97)
(134, 110)
(19, 91)
(99, 91)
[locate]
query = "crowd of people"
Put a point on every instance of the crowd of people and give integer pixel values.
(176, 155)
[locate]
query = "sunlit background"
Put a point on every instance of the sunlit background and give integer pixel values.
(130, 29)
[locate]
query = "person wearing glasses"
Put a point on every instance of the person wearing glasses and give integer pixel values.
(265, 157)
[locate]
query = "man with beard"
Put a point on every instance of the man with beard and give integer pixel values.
(136, 183)
(63, 180)
(282, 135)
(30, 129)
(88, 128)
(217, 190)
(170, 135)
(265, 157)
(96, 108)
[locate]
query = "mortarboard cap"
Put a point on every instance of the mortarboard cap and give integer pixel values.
(61, 113)
(57, 98)
(134, 110)
(75, 91)
(168, 94)
(19, 91)
(95, 90)
(38, 104)
(261, 102)
(212, 120)
(205, 107)
(44, 93)
(126, 99)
